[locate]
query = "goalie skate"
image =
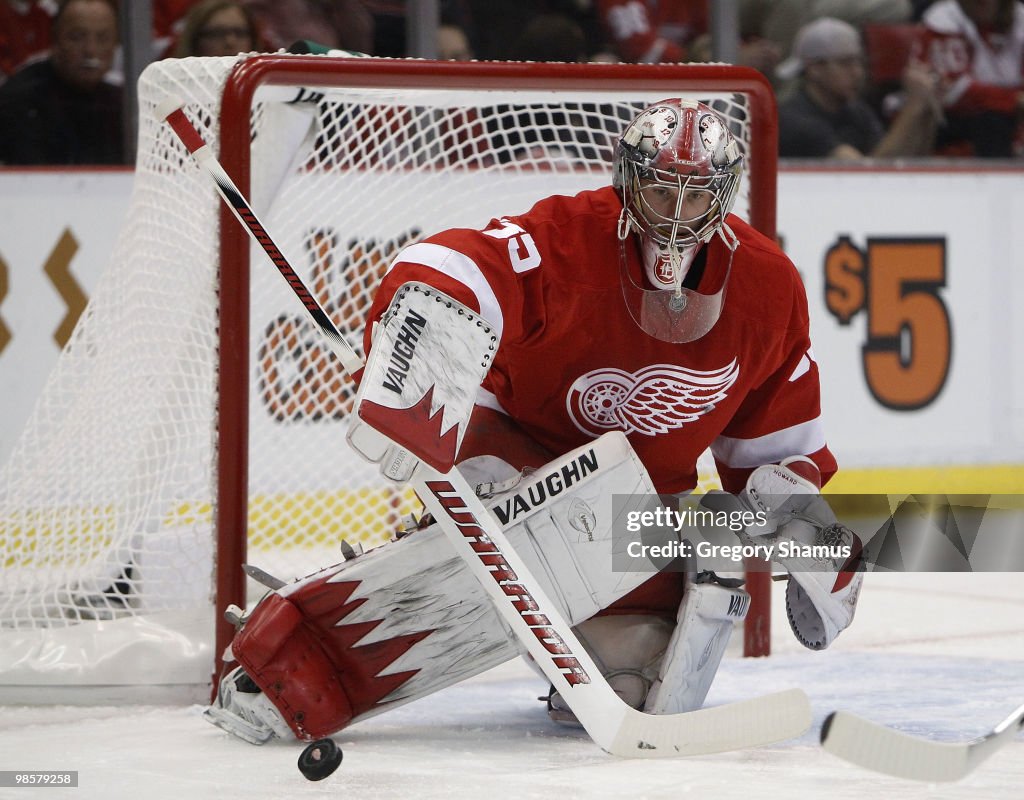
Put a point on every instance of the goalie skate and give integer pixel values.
(243, 710)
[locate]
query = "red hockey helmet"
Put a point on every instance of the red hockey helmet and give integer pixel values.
(678, 169)
(678, 145)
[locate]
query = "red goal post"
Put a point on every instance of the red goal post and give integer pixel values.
(194, 423)
(759, 139)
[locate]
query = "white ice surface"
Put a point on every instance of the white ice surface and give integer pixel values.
(939, 655)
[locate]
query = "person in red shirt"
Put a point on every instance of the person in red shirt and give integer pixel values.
(651, 31)
(977, 46)
(645, 309)
(24, 32)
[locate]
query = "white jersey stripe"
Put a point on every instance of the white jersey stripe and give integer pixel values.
(463, 269)
(807, 437)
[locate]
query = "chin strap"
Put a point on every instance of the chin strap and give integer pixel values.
(680, 258)
(623, 228)
(728, 237)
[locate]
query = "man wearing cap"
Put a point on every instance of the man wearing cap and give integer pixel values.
(825, 115)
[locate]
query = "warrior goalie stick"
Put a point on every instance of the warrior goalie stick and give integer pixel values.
(538, 624)
(876, 747)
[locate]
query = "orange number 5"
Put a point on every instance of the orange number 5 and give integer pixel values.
(909, 342)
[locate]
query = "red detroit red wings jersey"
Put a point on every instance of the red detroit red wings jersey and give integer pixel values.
(572, 364)
(651, 31)
(982, 70)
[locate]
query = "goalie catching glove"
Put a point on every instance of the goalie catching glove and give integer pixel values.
(821, 555)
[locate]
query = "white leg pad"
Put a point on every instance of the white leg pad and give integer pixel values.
(409, 618)
(704, 624)
(561, 521)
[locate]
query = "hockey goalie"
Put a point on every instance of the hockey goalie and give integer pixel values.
(588, 349)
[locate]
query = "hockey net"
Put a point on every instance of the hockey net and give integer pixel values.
(194, 420)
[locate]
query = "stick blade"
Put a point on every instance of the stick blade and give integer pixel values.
(748, 723)
(882, 749)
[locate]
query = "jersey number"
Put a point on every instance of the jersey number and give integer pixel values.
(907, 352)
(522, 250)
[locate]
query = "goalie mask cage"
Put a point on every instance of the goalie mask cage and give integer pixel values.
(194, 421)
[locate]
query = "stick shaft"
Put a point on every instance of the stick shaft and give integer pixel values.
(193, 140)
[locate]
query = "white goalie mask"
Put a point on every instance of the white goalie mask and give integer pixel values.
(678, 169)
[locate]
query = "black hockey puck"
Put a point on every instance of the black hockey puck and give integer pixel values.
(319, 759)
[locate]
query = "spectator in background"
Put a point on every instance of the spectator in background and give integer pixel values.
(168, 23)
(779, 20)
(569, 137)
(24, 32)
(825, 115)
(646, 31)
(60, 110)
(550, 37)
(977, 46)
(920, 6)
(218, 28)
(335, 24)
(390, 18)
(496, 26)
(452, 43)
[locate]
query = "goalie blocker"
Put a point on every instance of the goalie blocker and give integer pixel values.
(429, 356)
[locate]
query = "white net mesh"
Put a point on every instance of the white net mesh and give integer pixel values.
(106, 504)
